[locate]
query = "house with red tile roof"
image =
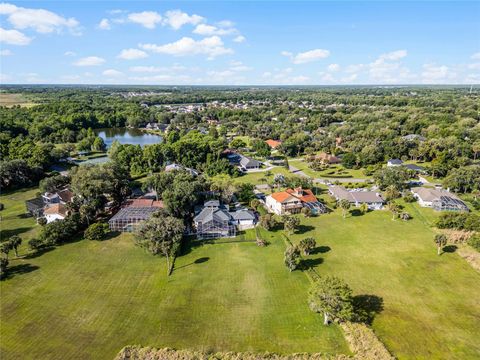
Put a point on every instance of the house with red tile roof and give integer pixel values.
(273, 143)
(291, 201)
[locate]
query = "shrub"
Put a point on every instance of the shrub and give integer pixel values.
(408, 197)
(96, 231)
(36, 244)
(474, 242)
(459, 221)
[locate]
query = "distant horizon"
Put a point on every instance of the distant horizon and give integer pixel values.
(238, 43)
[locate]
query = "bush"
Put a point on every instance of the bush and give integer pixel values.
(474, 242)
(459, 221)
(36, 244)
(408, 197)
(96, 231)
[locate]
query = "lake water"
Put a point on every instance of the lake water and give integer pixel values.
(127, 136)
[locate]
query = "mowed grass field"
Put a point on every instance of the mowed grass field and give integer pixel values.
(431, 304)
(10, 100)
(87, 299)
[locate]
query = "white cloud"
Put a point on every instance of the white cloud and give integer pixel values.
(104, 24)
(475, 56)
(239, 39)
(13, 37)
(42, 21)
(148, 19)
(333, 67)
(186, 46)
(284, 77)
(433, 73)
(349, 79)
(146, 69)
(69, 53)
(176, 19)
(474, 66)
(394, 55)
(208, 30)
(112, 73)
(132, 54)
(89, 61)
(307, 56)
(354, 68)
(6, 52)
(239, 66)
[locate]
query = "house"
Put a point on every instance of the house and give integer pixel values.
(133, 212)
(373, 199)
(394, 162)
(282, 203)
(244, 219)
(273, 143)
(328, 158)
(178, 167)
(249, 164)
(438, 199)
(36, 207)
(308, 200)
(214, 221)
(416, 168)
(55, 212)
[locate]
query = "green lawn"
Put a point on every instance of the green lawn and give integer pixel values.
(88, 299)
(431, 303)
(352, 173)
(255, 177)
(13, 219)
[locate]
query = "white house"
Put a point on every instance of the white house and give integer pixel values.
(283, 203)
(373, 199)
(55, 212)
(394, 162)
(438, 199)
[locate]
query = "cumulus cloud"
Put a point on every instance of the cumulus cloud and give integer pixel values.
(333, 67)
(89, 61)
(394, 55)
(40, 20)
(433, 73)
(14, 37)
(132, 54)
(388, 69)
(475, 56)
(112, 73)
(148, 19)
(104, 24)
(284, 77)
(208, 30)
(176, 19)
(239, 39)
(6, 52)
(211, 46)
(307, 56)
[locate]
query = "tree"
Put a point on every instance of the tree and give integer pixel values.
(292, 257)
(15, 242)
(349, 160)
(254, 204)
(345, 206)
(364, 208)
(405, 216)
(3, 266)
(161, 234)
(391, 193)
(35, 244)
(96, 231)
(286, 165)
(332, 297)
(159, 182)
(394, 208)
(5, 248)
(290, 223)
(279, 180)
(307, 245)
(306, 211)
(393, 176)
(441, 241)
(237, 143)
(245, 192)
(268, 221)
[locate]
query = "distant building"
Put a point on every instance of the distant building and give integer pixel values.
(273, 143)
(50, 205)
(438, 199)
(178, 167)
(394, 162)
(249, 164)
(373, 199)
(133, 212)
(416, 168)
(328, 158)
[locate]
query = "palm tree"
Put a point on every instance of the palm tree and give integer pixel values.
(394, 208)
(441, 241)
(5, 248)
(344, 205)
(15, 242)
(364, 208)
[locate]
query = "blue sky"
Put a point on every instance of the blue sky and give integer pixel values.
(236, 43)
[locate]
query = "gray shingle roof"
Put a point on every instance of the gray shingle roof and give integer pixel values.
(243, 214)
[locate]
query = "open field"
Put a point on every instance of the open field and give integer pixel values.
(431, 303)
(352, 173)
(10, 100)
(255, 177)
(87, 300)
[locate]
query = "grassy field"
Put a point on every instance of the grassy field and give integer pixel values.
(10, 100)
(13, 219)
(256, 177)
(352, 173)
(86, 300)
(431, 304)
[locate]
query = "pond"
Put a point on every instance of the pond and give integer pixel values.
(127, 136)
